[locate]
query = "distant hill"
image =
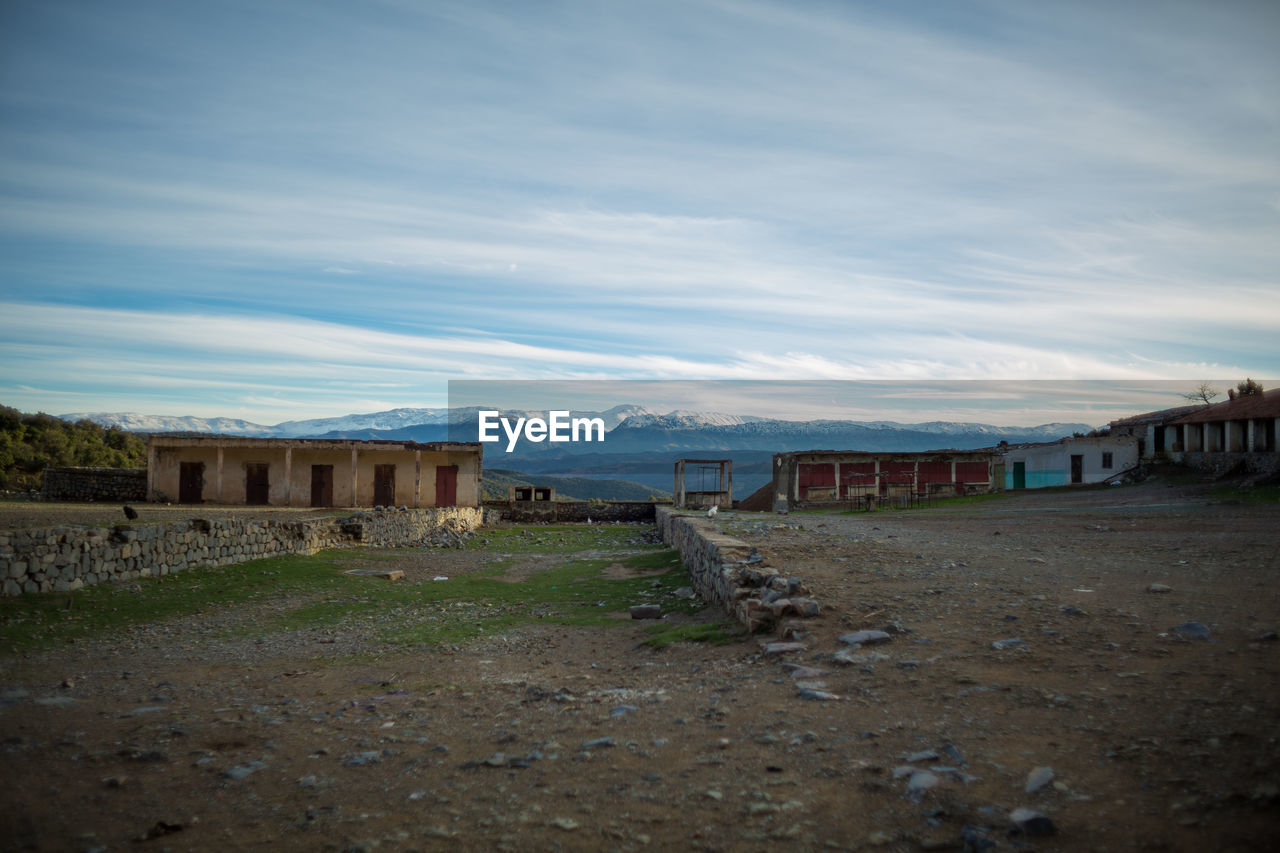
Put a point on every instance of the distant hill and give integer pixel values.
(496, 480)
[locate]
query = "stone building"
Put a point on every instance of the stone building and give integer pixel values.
(302, 472)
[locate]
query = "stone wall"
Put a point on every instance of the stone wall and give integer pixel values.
(571, 511)
(108, 485)
(1220, 464)
(729, 572)
(65, 558)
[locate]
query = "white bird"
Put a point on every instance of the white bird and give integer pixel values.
(711, 513)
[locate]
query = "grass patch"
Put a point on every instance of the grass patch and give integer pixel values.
(572, 591)
(559, 538)
(715, 633)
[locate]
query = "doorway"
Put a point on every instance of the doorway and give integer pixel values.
(384, 485)
(191, 482)
(1077, 468)
(446, 485)
(322, 485)
(1020, 475)
(257, 483)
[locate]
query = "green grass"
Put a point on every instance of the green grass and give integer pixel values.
(572, 591)
(557, 538)
(716, 633)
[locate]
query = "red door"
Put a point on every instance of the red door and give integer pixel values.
(446, 485)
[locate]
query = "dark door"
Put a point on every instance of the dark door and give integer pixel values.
(322, 485)
(257, 484)
(1019, 475)
(446, 485)
(384, 485)
(1077, 469)
(191, 482)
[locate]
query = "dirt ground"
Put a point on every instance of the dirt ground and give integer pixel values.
(1134, 735)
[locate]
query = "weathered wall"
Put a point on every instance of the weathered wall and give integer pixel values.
(1221, 463)
(67, 558)
(94, 484)
(567, 511)
(729, 572)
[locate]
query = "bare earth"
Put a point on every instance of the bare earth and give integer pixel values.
(175, 737)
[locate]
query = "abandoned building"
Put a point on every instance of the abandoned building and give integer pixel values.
(826, 477)
(703, 483)
(1068, 461)
(1234, 433)
(300, 472)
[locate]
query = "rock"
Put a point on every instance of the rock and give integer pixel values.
(646, 611)
(1011, 643)
(1037, 779)
(1071, 610)
(783, 648)
(1159, 588)
(1192, 630)
(1268, 637)
(685, 592)
(565, 823)
(599, 743)
(813, 694)
(921, 781)
(1031, 822)
(865, 638)
(622, 710)
(361, 759)
(923, 755)
(243, 771)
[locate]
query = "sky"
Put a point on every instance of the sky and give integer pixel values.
(287, 210)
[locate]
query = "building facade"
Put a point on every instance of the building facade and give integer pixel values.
(1069, 461)
(301, 472)
(817, 477)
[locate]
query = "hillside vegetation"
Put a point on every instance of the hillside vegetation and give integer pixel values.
(31, 443)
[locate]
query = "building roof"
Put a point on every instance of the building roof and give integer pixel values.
(202, 439)
(1264, 405)
(1161, 416)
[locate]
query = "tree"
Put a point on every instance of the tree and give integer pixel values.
(1248, 388)
(1204, 393)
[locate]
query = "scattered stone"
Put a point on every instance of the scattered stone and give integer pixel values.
(1159, 588)
(1037, 779)
(1011, 643)
(921, 781)
(685, 592)
(783, 648)
(1193, 630)
(1071, 610)
(646, 611)
(389, 574)
(622, 710)
(1031, 822)
(565, 823)
(865, 638)
(923, 755)
(361, 759)
(1268, 637)
(600, 742)
(244, 771)
(799, 671)
(813, 694)
(880, 838)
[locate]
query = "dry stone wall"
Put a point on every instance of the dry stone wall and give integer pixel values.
(67, 558)
(122, 485)
(729, 572)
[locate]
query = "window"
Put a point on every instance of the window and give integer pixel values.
(1106, 460)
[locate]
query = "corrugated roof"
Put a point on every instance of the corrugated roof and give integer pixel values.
(1264, 405)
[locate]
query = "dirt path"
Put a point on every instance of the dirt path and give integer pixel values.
(551, 738)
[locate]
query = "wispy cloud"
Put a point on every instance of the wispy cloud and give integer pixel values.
(413, 192)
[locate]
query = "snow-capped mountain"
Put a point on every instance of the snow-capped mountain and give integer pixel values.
(134, 422)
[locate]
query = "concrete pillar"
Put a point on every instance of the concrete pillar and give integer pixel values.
(218, 477)
(354, 494)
